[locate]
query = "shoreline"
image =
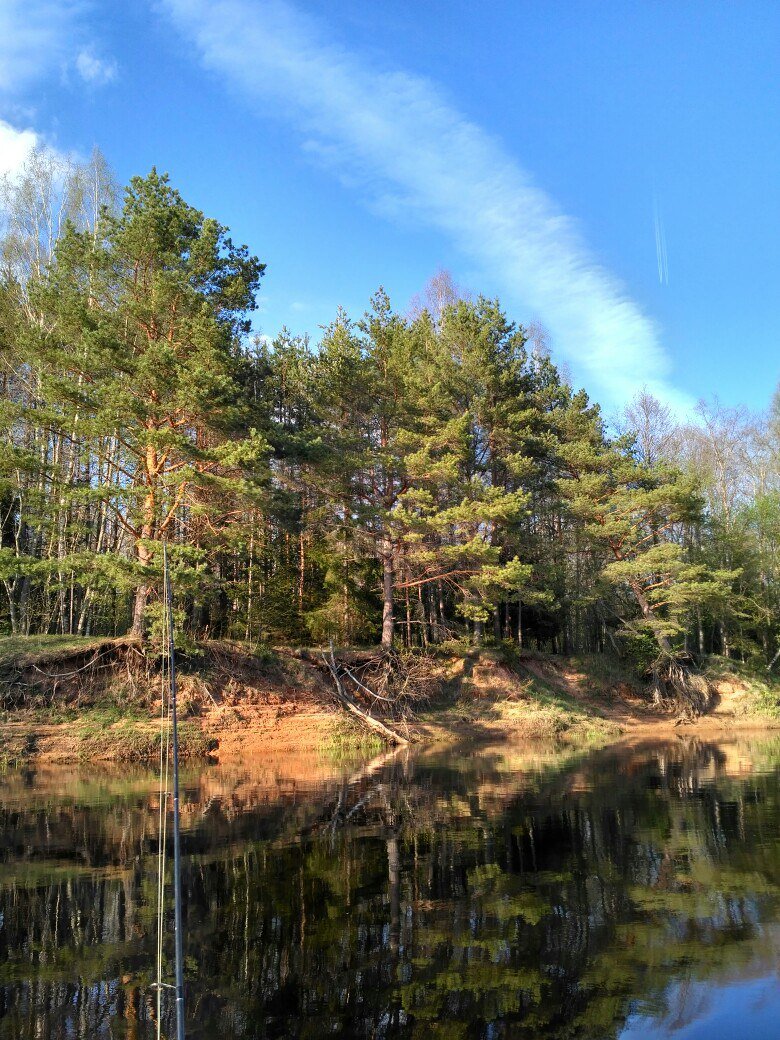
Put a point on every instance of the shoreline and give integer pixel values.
(98, 701)
(261, 733)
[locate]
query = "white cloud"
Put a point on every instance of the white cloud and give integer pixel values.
(15, 146)
(93, 69)
(35, 38)
(397, 139)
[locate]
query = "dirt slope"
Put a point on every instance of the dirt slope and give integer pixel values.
(95, 700)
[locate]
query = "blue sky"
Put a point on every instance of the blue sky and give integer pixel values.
(539, 152)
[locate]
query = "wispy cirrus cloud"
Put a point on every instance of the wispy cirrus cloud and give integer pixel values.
(93, 69)
(35, 35)
(397, 139)
(38, 37)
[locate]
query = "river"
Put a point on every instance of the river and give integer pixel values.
(484, 893)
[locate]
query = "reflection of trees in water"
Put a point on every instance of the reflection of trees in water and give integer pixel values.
(429, 898)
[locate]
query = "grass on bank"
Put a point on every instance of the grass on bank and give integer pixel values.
(99, 732)
(760, 689)
(485, 691)
(489, 692)
(24, 651)
(111, 725)
(493, 691)
(350, 743)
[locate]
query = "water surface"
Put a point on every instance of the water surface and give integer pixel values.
(481, 894)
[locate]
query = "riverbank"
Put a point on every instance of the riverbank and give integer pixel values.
(82, 700)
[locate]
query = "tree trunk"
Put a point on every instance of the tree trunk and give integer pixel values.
(650, 618)
(423, 616)
(387, 596)
(81, 627)
(724, 640)
(301, 570)
(143, 552)
(248, 629)
(137, 629)
(12, 609)
(24, 619)
(139, 609)
(441, 629)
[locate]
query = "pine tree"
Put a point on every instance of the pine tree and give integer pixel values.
(141, 352)
(634, 513)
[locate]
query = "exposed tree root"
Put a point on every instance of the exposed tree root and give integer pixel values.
(677, 686)
(383, 688)
(71, 675)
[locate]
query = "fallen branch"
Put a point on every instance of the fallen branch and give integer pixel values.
(364, 688)
(351, 706)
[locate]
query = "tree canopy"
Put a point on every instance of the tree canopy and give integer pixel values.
(410, 478)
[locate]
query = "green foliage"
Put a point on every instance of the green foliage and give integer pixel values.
(158, 629)
(415, 479)
(351, 744)
(641, 647)
(636, 513)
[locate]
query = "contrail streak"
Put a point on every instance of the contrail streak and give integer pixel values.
(660, 245)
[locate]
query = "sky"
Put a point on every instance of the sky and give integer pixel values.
(610, 170)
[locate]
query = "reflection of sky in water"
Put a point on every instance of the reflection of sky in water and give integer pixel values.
(741, 1011)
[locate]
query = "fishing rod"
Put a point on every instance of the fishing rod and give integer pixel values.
(176, 835)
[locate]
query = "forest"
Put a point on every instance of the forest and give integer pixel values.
(414, 477)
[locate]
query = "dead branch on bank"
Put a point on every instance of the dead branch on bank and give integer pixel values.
(348, 701)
